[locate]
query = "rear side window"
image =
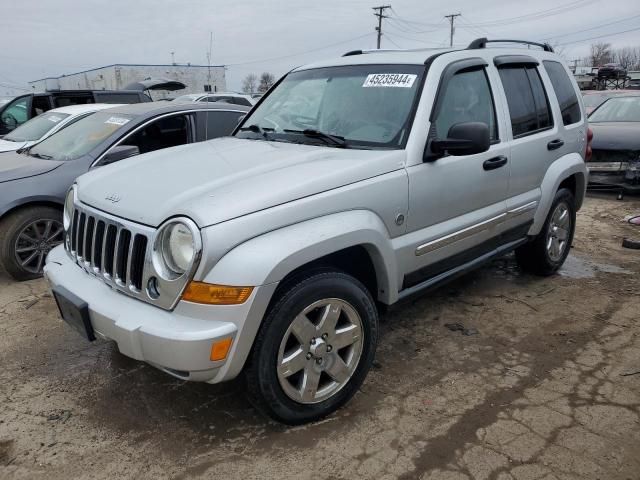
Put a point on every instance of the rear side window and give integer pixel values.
(117, 98)
(527, 99)
(221, 124)
(242, 101)
(565, 92)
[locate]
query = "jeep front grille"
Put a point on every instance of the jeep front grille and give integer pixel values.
(108, 248)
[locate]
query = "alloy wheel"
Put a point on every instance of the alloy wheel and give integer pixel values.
(35, 241)
(558, 233)
(320, 351)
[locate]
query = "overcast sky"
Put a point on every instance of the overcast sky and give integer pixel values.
(44, 38)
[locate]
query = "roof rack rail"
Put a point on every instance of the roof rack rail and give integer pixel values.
(482, 43)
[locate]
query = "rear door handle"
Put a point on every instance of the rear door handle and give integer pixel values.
(495, 162)
(555, 144)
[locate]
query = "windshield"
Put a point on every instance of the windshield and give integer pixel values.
(367, 106)
(621, 109)
(80, 137)
(35, 128)
(593, 100)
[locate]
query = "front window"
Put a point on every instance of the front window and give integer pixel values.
(80, 137)
(36, 128)
(15, 113)
(593, 100)
(622, 109)
(361, 106)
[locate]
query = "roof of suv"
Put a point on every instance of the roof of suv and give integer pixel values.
(84, 108)
(169, 107)
(420, 55)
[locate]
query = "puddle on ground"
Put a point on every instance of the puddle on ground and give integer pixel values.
(577, 267)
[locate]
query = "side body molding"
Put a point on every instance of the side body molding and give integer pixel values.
(268, 258)
(560, 170)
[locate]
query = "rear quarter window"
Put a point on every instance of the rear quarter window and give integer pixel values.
(565, 93)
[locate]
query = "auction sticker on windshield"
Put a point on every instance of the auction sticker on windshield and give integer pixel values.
(403, 80)
(117, 120)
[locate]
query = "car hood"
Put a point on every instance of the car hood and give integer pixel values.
(221, 179)
(7, 146)
(616, 135)
(14, 166)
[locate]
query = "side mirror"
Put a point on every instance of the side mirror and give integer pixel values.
(465, 138)
(118, 153)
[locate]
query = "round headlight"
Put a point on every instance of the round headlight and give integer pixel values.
(176, 248)
(68, 210)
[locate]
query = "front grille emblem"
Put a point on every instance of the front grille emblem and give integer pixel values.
(113, 198)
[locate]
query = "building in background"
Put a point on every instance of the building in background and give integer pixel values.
(197, 78)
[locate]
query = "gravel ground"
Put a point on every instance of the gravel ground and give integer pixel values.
(549, 387)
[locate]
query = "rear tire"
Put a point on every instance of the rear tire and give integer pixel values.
(314, 348)
(26, 237)
(549, 249)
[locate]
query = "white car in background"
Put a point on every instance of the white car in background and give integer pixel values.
(228, 97)
(46, 124)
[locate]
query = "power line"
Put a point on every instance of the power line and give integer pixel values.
(380, 14)
(451, 18)
(626, 19)
(536, 15)
(391, 40)
(263, 60)
(599, 36)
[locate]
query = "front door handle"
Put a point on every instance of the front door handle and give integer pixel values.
(555, 144)
(495, 162)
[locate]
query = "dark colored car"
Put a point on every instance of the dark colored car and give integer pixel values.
(25, 107)
(34, 183)
(612, 70)
(615, 162)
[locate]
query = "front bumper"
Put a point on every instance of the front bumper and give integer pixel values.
(177, 342)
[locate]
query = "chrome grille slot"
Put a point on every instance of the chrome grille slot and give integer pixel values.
(138, 250)
(88, 242)
(98, 242)
(109, 249)
(80, 236)
(114, 250)
(122, 255)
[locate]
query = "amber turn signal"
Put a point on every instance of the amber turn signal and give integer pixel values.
(220, 349)
(200, 292)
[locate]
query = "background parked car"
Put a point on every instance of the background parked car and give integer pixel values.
(612, 70)
(594, 98)
(615, 161)
(634, 81)
(47, 124)
(25, 107)
(35, 182)
(234, 98)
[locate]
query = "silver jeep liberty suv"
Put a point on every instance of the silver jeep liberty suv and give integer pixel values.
(353, 183)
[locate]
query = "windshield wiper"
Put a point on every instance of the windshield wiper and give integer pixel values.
(332, 139)
(39, 155)
(257, 129)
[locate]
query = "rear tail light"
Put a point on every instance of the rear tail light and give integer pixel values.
(588, 151)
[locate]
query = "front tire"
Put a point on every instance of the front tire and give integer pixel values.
(26, 237)
(549, 249)
(314, 348)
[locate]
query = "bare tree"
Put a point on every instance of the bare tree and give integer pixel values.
(628, 57)
(600, 54)
(250, 83)
(266, 81)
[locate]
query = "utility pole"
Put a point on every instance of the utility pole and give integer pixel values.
(451, 18)
(209, 60)
(380, 14)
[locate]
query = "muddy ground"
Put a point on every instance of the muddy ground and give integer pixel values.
(549, 388)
